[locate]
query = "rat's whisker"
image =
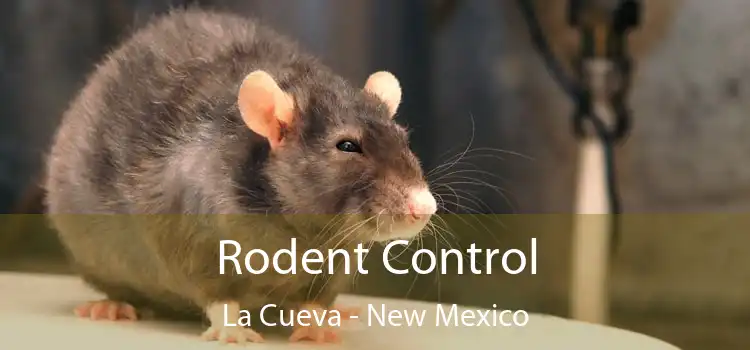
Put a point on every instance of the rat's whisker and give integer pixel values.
(344, 238)
(344, 234)
(342, 231)
(474, 182)
(449, 165)
(464, 161)
(472, 199)
(364, 258)
(344, 216)
(404, 249)
(469, 171)
(378, 221)
(416, 275)
(470, 153)
(479, 221)
(337, 219)
(442, 233)
(448, 186)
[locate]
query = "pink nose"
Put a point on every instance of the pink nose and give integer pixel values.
(421, 204)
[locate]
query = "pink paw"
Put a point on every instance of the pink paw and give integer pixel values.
(226, 335)
(106, 310)
(315, 334)
(323, 333)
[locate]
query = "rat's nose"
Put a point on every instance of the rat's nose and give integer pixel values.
(421, 204)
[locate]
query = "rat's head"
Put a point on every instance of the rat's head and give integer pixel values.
(342, 153)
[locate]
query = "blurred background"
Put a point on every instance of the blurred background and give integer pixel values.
(471, 77)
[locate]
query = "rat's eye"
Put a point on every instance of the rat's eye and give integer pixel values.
(348, 146)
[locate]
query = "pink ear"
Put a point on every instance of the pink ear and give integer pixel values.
(264, 106)
(386, 87)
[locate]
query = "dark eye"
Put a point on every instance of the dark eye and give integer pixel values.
(348, 146)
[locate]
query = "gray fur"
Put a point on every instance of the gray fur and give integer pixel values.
(156, 131)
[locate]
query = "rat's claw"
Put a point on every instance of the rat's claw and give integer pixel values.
(225, 335)
(106, 310)
(323, 333)
(315, 334)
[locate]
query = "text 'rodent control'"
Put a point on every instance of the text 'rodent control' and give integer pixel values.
(313, 261)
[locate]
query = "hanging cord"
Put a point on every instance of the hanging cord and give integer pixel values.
(625, 17)
(554, 67)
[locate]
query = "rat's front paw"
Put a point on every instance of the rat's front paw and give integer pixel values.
(106, 310)
(325, 332)
(232, 334)
(315, 333)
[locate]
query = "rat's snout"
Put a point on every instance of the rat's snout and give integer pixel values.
(421, 204)
(407, 216)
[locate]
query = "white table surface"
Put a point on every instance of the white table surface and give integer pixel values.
(36, 313)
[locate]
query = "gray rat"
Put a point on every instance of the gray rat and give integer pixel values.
(205, 126)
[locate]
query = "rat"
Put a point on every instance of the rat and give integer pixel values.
(205, 126)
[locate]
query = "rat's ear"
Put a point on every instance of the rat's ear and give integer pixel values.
(386, 87)
(264, 107)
